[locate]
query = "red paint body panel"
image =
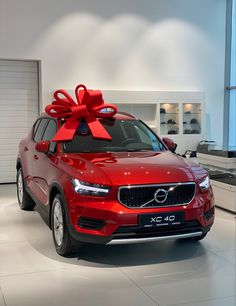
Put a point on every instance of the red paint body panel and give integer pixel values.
(42, 171)
(118, 169)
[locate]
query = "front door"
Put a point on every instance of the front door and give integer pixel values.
(43, 164)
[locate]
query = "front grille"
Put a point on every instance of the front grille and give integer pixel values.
(149, 196)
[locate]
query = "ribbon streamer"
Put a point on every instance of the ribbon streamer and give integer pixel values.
(90, 106)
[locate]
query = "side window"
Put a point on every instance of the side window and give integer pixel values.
(40, 130)
(36, 126)
(147, 137)
(49, 133)
(144, 137)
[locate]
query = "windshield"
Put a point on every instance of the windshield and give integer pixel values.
(127, 136)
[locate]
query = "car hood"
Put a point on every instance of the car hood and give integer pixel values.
(123, 168)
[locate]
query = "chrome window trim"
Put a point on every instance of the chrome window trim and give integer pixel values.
(156, 185)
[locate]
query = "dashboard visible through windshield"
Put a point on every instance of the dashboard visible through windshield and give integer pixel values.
(127, 136)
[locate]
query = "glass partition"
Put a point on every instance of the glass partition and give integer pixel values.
(232, 104)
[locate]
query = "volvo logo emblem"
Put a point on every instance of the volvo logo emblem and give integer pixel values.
(160, 195)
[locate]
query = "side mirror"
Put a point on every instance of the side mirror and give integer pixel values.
(170, 144)
(42, 146)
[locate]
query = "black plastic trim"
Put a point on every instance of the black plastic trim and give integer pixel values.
(80, 237)
(90, 223)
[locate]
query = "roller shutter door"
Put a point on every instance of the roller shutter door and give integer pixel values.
(19, 104)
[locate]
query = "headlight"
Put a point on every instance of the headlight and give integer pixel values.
(205, 184)
(88, 189)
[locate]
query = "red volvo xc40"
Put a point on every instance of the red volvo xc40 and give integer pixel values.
(126, 190)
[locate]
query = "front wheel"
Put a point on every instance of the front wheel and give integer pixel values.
(60, 232)
(24, 199)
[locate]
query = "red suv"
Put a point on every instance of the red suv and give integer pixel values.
(129, 189)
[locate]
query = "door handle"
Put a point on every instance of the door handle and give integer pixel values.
(26, 149)
(36, 156)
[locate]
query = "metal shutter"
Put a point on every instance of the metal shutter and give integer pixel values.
(19, 104)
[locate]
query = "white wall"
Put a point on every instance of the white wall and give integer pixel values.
(127, 44)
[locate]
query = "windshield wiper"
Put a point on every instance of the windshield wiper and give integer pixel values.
(114, 151)
(137, 150)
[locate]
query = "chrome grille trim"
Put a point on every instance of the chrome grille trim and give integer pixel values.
(174, 184)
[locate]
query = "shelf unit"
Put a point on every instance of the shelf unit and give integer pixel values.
(169, 119)
(191, 118)
(187, 128)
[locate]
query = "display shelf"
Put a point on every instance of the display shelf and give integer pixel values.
(176, 113)
(169, 118)
(189, 122)
(191, 113)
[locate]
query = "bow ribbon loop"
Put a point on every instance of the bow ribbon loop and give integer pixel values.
(79, 111)
(90, 106)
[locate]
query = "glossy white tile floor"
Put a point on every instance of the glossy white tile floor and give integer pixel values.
(164, 273)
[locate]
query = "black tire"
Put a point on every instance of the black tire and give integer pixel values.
(64, 245)
(24, 199)
(196, 238)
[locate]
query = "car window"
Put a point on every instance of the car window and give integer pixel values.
(127, 136)
(49, 133)
(144, 137)
(36, 126)
(40, 130)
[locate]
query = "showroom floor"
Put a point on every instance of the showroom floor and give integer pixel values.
(164, 273)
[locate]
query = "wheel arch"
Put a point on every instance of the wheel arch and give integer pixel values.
(18, 164)
(55, 189)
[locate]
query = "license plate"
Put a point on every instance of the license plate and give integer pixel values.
(162, 219)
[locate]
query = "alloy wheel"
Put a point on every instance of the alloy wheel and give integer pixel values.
(20, 187)
(58, 225)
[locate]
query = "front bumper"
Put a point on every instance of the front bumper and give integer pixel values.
(121, 225)
(143, 236)
(152, 239)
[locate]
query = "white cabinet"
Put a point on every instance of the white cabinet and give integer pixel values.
(146, 112)
(183, 122)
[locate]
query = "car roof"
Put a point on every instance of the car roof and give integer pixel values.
(119, 116)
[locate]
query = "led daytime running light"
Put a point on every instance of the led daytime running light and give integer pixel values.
(205, 183)
(85, 188)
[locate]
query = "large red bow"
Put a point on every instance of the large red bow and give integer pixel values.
(90, 106)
